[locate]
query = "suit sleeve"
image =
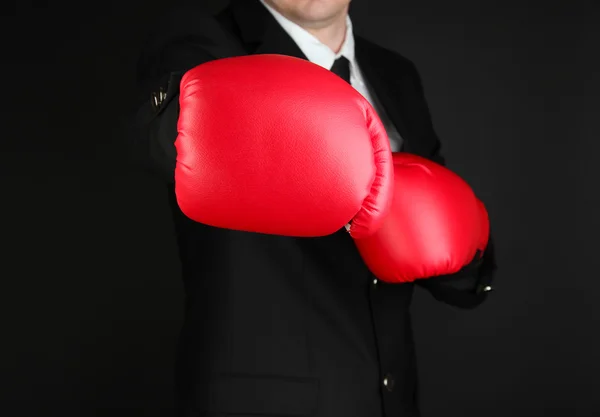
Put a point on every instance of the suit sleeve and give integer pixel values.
(186, 38)
(469, 287)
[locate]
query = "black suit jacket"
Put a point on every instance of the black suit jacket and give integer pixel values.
(280, 326)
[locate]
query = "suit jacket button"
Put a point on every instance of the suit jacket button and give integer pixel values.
(388, 382)
(157, 98)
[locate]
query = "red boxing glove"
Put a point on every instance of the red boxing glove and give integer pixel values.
(278, 145)
(435, 227)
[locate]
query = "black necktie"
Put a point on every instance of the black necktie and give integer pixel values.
(341, 67)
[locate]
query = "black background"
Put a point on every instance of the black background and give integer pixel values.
(91, 299)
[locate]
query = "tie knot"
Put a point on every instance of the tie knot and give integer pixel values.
(341, 67)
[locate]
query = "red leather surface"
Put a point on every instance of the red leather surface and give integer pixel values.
(278, 145)
(435, 226)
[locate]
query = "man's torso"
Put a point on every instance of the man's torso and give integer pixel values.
(296, 326)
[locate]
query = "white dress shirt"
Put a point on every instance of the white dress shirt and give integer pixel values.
(320, 54)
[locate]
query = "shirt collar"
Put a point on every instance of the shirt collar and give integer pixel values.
(315, 50)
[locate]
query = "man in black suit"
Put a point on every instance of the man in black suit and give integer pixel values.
(281, 326)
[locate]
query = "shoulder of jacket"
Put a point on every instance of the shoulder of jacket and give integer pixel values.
(382, 54)
(185, 22)
(182, 35)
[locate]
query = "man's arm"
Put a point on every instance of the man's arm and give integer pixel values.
(155, 125)
(469, 287)
(186, 38)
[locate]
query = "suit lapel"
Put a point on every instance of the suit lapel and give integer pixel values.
(260, 32)
(384, 86)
